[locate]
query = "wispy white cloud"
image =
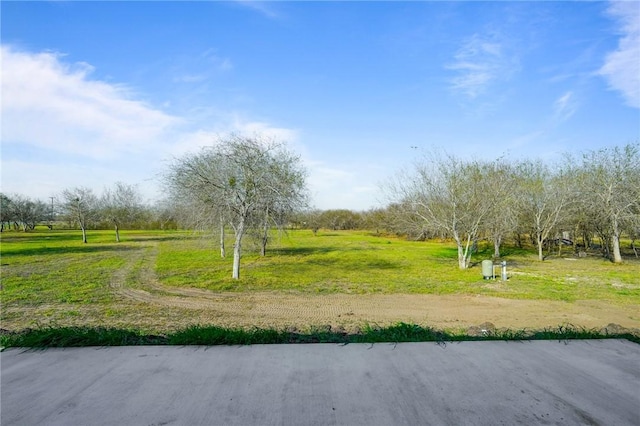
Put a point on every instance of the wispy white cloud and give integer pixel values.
(525, 140)
(565, 106)
(622, 66)
(215, 61)
(263, 7)
(192, 142)
(89, 132)
(281, 134)
(49, 104)
(208, 64)
(195, 140)
(347, 186)
(42, 178)
(480, 62)
(225, 65)
(61, 127)
(190, 78)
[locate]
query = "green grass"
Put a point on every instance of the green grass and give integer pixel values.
(360, 263)
(54, 266)
(207, 335)
(66, 279)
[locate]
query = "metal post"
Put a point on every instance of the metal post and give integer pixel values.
(504, 270)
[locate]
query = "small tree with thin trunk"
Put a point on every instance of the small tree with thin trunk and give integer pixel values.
(25, 211)
(21, 210)
(81, 205)
(241, 180)
(195, 214)
(285, 195)
(6, 211)
(449, 196)
(543, 197)
(501, 219)
(121, 205)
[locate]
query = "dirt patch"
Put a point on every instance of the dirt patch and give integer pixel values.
(149, 304)
(268, 309)
(446, 312)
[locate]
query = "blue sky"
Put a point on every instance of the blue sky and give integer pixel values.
(99, 92)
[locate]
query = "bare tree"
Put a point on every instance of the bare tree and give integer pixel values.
(449, 195)
(375, 219)
(310, 219)
(121, 205)
(633, 229)
(164, 215)
(286, 194)
(21, 210)
(241, 180)
(26, 212)
(340, 219)
(81, 204)
(196, 214)
(501, 220)
(401, 219)
(542, 200)
(6, 211)
(610, 192)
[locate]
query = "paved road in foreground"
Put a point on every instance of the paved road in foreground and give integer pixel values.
(483, 383)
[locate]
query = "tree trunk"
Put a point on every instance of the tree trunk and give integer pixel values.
(496, 247)
(237, 248)
(265, 234)
(462, 258)
(222, 250)
(117, 233)
(518, 238)
(84, 235)
(265, 239)
(615, 241)
(464, 255)
(539, 242)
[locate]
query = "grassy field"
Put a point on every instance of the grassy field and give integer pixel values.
(362, 263)
(165, 281)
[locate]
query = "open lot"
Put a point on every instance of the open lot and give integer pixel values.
(160, 281)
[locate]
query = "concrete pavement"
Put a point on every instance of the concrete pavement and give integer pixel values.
(468, 383)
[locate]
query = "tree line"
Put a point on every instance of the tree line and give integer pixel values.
(594, 194)
(119, 206)
(251, 185)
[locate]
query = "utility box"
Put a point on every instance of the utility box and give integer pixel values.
(487, 270)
